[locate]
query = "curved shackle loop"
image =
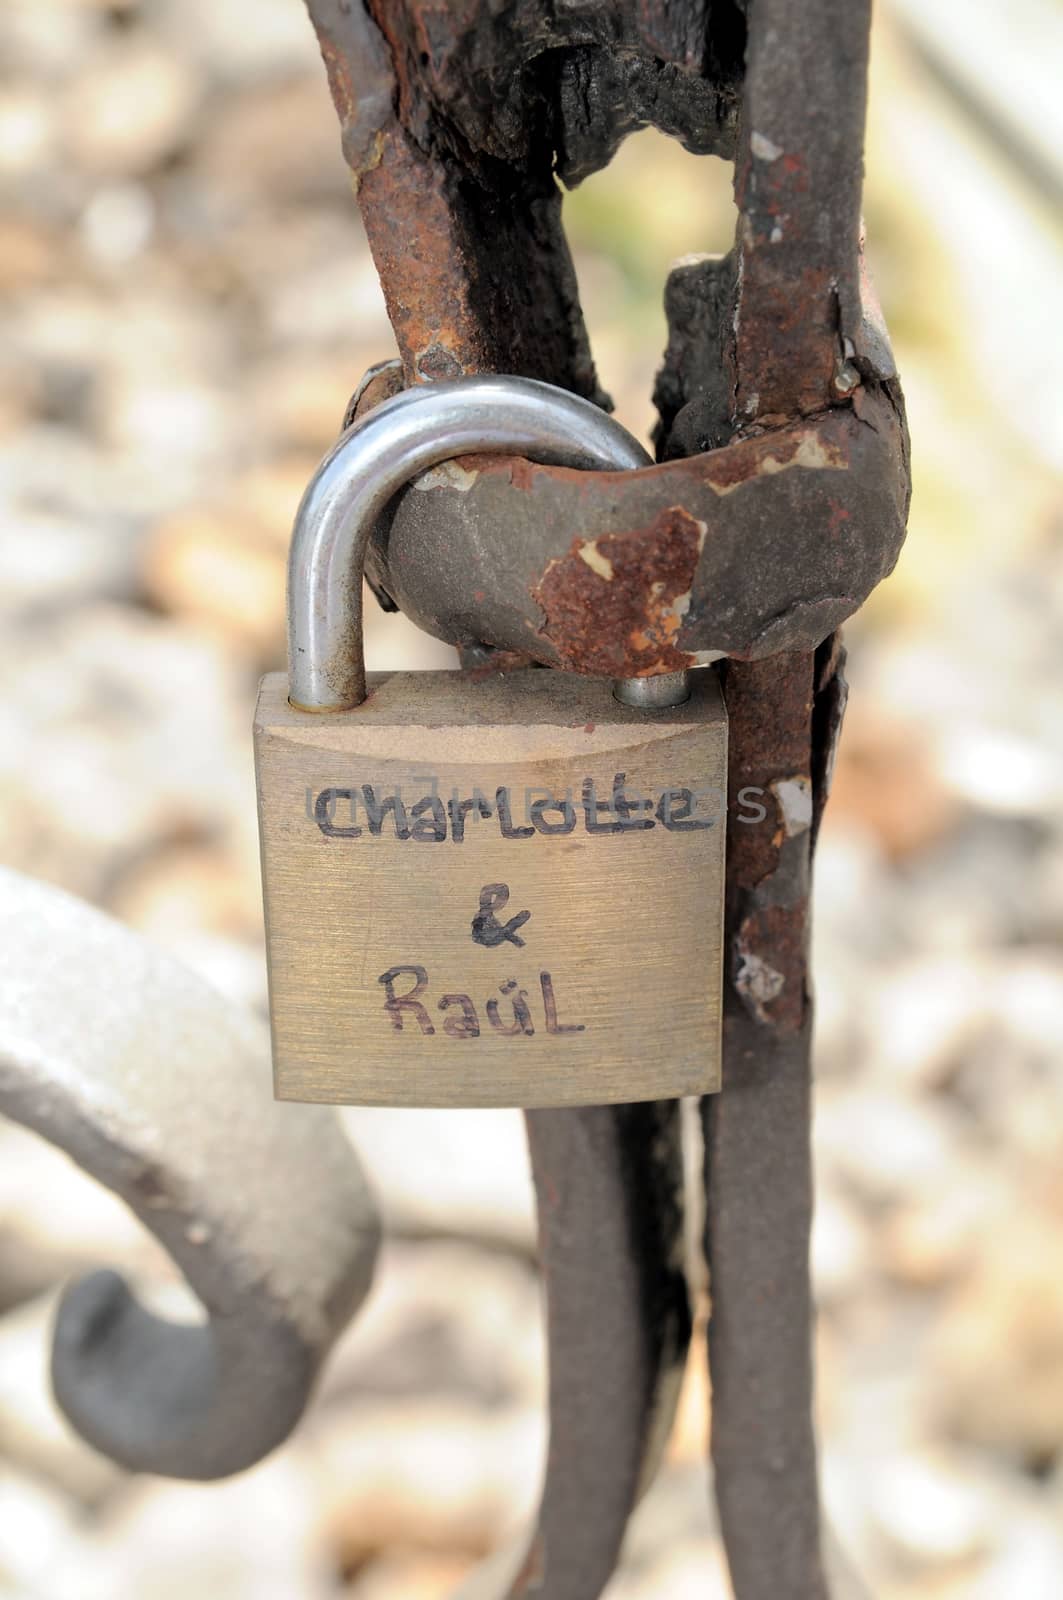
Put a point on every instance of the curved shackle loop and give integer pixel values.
(376, 457)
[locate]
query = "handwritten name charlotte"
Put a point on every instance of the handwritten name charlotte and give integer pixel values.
(432, 819)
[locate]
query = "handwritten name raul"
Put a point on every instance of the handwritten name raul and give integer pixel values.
(461, 1019)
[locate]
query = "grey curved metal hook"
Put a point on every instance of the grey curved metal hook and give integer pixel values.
(161, 1089)
(379, 454)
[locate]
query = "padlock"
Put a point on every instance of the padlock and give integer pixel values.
(500, 889)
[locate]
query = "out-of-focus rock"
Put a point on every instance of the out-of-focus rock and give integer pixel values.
(52, 563)
(932, 1241)
(995, 1373)
(30, 253)
(118, 733)
(186, 889)
(300, 399)
(885, 781)
(411, 1575)
(129, 110)
(447, 1318)
(34, 1437)
(242, 41)
(117, 224)
(884, 1145)
(932, 1511)
(921, 1016)
(252, 1537)
(432, 1475)
(695, 1571)
(214, 568)
(201, 902)
(277, 141)
(56, 1221)
(27, 130)
(841, 1249)
(39, 1534)
(448, 1172)
(223, 564)
(1028, 1565)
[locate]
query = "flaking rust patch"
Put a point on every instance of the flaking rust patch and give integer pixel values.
(769, 963)
(613, 606)
(793, 796)
(806, 448)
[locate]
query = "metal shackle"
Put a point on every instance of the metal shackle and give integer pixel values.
(376, 457)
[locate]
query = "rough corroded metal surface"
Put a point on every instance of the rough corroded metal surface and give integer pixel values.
(459, 184)
(779, 384)
(784, 719)
(798, 176)
(777, 538)
(161, 1090)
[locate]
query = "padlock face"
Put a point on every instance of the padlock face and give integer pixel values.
(504, 892)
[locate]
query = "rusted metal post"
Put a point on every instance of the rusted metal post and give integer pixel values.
(778, 382)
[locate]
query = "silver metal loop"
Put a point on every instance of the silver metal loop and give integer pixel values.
(376, 457)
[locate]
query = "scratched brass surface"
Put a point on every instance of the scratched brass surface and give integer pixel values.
(597, 947)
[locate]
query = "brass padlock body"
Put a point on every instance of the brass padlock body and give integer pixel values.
(493, 891)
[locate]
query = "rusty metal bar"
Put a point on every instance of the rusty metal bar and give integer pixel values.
(779, 382)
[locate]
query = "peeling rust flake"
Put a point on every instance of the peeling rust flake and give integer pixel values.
(613, 605)
(769, 957)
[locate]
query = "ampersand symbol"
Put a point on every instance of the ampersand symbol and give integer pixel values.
(486, 928)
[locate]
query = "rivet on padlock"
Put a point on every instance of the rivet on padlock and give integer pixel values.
(491, 890)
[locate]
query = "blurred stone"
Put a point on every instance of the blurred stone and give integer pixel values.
(1029, 1564)
(34, 1437)
(432, 1475)
(60, 1221)
(27, 130)
(30, 254)
(404, 1575)
(448, 1172)
(922, 1015)
(49, 563)
(129, 110)
(119, 732)
(932, 1512)
(248, 1538)
(38, 1534)
(203, 903)
(884, 781)
(443, 1318)
(995, 1373)
(841, 1248)
(697, 1570)
(240, 41)
(300, 399)
(173, 424)
(185, 889)
(117, 223)
(223, 564)
(323, 290)
(933, 1241)
(277, 140)
(883, 1145)
(214, 568)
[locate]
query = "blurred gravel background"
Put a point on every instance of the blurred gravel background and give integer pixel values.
(187, 304)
